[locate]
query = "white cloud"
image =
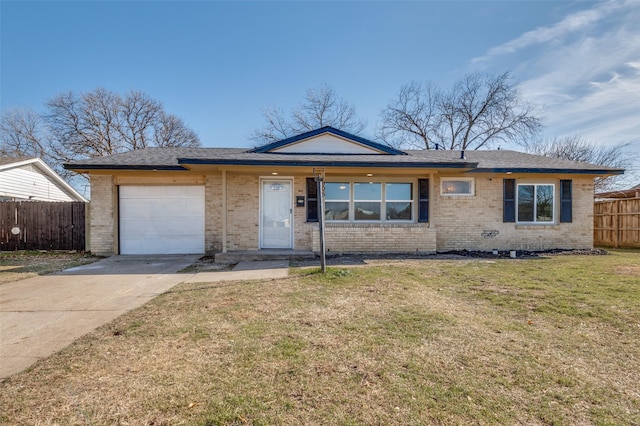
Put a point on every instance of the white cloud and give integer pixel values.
(566, 26)
(584, 69)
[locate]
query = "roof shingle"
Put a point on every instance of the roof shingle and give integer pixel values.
(477, 161)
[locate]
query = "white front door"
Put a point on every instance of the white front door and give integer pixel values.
(276, 214)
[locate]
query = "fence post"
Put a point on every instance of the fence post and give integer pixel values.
(87, 226)
(616, 223)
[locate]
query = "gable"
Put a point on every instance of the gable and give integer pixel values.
(326, 140)
(326, 144)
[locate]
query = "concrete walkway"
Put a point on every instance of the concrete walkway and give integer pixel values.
(41, 315)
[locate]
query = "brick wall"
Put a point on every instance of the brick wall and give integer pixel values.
(103, 221)
(243, 211)
(475, 222)
(373, 237)
(303, 231)
(213, 213)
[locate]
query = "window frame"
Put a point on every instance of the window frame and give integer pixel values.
(383, 202)
(472, 187)
(385, 212)
(379, 201)
(554, 206)
(349, 200)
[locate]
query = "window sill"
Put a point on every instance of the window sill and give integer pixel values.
(377, 224)
(537, 226)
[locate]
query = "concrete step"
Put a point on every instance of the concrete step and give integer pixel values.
(263, 255)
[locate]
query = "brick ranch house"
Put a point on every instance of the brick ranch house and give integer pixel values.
(377, 199)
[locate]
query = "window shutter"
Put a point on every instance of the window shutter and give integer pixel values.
(312, 200)
(565, 201)
(509, 201)
(423, 200)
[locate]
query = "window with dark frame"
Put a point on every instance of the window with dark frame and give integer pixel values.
(423, 200)
(312, 200)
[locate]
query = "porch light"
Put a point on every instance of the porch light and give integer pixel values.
(274, 173)
(369, 174)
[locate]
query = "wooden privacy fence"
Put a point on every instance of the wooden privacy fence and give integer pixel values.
(617, 223)
(41, 225)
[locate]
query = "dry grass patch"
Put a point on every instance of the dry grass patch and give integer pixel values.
(18, 265)
(541, 341)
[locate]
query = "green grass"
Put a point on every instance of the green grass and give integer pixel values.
(541, 341)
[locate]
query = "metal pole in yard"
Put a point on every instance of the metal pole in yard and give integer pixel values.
(319, 177)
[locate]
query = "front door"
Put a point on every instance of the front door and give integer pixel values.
(276, 217)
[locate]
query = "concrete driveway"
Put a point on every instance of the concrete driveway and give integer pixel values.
(41, 315)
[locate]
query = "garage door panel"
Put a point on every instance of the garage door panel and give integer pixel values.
(152, 228)
(138, 246)
(149, 208)
(161, 219)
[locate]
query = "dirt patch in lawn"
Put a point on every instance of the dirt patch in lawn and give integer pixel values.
(18, 265)
(629, 270)
(207, 264)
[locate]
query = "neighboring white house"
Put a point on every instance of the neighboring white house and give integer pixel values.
(31, 179)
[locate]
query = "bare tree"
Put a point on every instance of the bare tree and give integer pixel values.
(22, 134)
(478, 111)
(277, 127)
(322, 107)
(412, 119)
(170, 130)
(84, 126)
(140, 115)
(102, 123)
(577, 148)
(89, 125)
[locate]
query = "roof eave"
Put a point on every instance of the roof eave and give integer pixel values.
(77, 167)
(316, 163)
(549, 170)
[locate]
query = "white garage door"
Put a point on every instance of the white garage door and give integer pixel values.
(161, 219)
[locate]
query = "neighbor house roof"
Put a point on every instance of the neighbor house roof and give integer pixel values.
(16, 183)
(633, 192)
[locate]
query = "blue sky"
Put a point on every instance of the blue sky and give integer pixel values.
(217, 65)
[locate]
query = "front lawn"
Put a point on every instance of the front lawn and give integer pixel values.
(552, 340)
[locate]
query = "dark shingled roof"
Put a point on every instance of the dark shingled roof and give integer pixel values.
(475, 161)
